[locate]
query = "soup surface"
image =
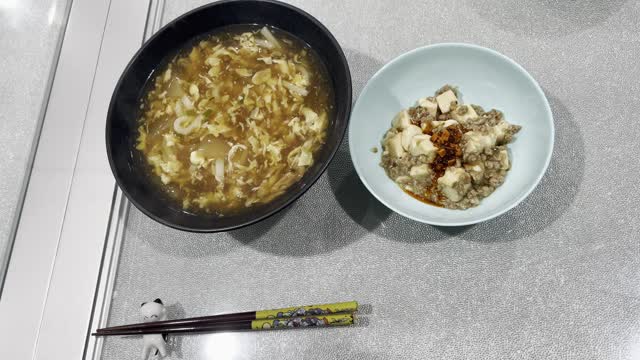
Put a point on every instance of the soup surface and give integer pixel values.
(235, 119)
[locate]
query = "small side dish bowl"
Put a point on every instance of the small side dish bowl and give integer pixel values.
(128, 166)
(485, 77)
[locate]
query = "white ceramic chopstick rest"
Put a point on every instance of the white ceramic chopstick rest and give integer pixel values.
(154, 311)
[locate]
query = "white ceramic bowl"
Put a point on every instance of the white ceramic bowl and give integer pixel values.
(484, 77)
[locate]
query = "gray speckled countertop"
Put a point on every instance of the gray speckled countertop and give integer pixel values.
(30, 31)
(557, 277)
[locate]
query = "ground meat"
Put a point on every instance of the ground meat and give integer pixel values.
(448, 87)
(493, 177)
(479, 110)
(450, 152)
(461, 110)
(420, 116)
(399, 169)
(513, 129)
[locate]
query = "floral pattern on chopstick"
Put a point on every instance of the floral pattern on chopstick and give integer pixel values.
(311, 310)
(309, 321)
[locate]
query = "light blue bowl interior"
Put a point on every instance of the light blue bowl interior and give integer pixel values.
(485, 78)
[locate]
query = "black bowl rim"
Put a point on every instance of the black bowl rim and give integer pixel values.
(294, 196)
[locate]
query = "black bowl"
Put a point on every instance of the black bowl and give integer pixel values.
(128, 166)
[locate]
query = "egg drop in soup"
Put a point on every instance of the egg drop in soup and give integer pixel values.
(234, 119)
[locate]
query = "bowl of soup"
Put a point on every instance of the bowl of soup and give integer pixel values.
(228, 114)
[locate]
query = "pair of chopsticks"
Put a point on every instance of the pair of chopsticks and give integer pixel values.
(335, 314)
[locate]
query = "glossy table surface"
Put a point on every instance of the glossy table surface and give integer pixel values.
(30, 34)
(556, 277)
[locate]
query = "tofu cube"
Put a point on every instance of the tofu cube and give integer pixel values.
(419, 171)
(503, 157)
(445, 100)
(394, 146)
(455, 183)
(422, 145)
(430, 104)
(464, 113)
(408, 133)
(476, 142)
(445, 123)
(501, 132)
(402, 120)
(475, 170)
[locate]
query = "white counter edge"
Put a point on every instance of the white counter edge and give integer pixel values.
(52, 275)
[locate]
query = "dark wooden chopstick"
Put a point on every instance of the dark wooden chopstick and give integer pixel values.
(243, 317)
(253, 325)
